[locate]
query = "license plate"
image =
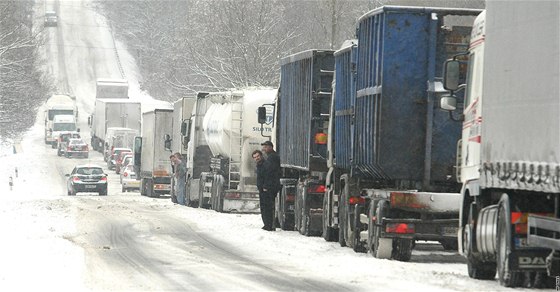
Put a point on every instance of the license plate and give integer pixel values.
(90, 186)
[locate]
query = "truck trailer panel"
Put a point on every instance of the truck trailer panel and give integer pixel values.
(400, 50)
(521, 124)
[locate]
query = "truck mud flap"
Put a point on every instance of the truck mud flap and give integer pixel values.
(524, 260)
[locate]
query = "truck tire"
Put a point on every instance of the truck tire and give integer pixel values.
(402, 249)
(476, 268)
(287, 221)
(381, 248)
(357, 244)
(506, 276)
(329, 233)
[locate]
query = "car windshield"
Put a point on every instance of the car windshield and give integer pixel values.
(89, 170)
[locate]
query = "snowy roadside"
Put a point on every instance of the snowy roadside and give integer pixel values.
(33, 251)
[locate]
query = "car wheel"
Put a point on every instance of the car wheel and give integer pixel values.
(123, 189)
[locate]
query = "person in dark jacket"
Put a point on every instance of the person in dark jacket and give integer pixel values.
(266, 199)
(270, 184)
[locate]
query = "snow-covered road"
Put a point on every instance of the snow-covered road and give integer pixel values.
(128, 242)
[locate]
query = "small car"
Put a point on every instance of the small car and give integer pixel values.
(111, 162)
(87, 179)
(51, 19)
(62, 141)
(76, 147)
(119, 163)
(128, 179)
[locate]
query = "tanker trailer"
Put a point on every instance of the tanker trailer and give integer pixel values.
(232, 132)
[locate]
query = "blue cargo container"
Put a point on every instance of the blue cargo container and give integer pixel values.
(344, 98)
(304, 105)
(398, 134)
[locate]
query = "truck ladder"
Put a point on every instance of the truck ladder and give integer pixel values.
(235, 143)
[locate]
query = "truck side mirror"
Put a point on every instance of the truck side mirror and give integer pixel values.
(185, 127)
(167, 142)
(448, 103)
(451, 75)
(262, 115)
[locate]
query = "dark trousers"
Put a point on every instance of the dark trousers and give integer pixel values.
(266, 199)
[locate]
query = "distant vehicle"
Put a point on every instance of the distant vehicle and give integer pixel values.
(120, 160)
(111, 88)
(76, 147)
(117, 137)
(112, 161)
(128, 179)
(63, 139)
(87, 179)
(62, 123)
(127, 159)
(115, 112)
(51, 19)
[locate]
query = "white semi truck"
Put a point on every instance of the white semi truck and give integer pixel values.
(509, 154)
(58, 104)
(123, 113)
(225, 123)
(151, 159)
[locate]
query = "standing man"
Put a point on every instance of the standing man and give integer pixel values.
(271, 184)
(263, 196)
(180, 177)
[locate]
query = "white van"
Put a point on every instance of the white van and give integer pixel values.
(62, 123)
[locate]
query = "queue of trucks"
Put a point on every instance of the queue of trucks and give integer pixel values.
(422, 128)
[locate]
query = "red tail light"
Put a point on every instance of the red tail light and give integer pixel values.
(356, 200)
(316, 189)
(520, 219)
(125, 174)
(290, 198)
(76, 178)
(400, 228)
(103, 178)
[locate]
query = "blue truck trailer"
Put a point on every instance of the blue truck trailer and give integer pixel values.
(301, 118)
(391, 178)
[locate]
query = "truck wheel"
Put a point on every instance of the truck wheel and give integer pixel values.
(402, 249)
(357, 245)
(381, 248)
(476, 268)
(506, 276)
(329, 233)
